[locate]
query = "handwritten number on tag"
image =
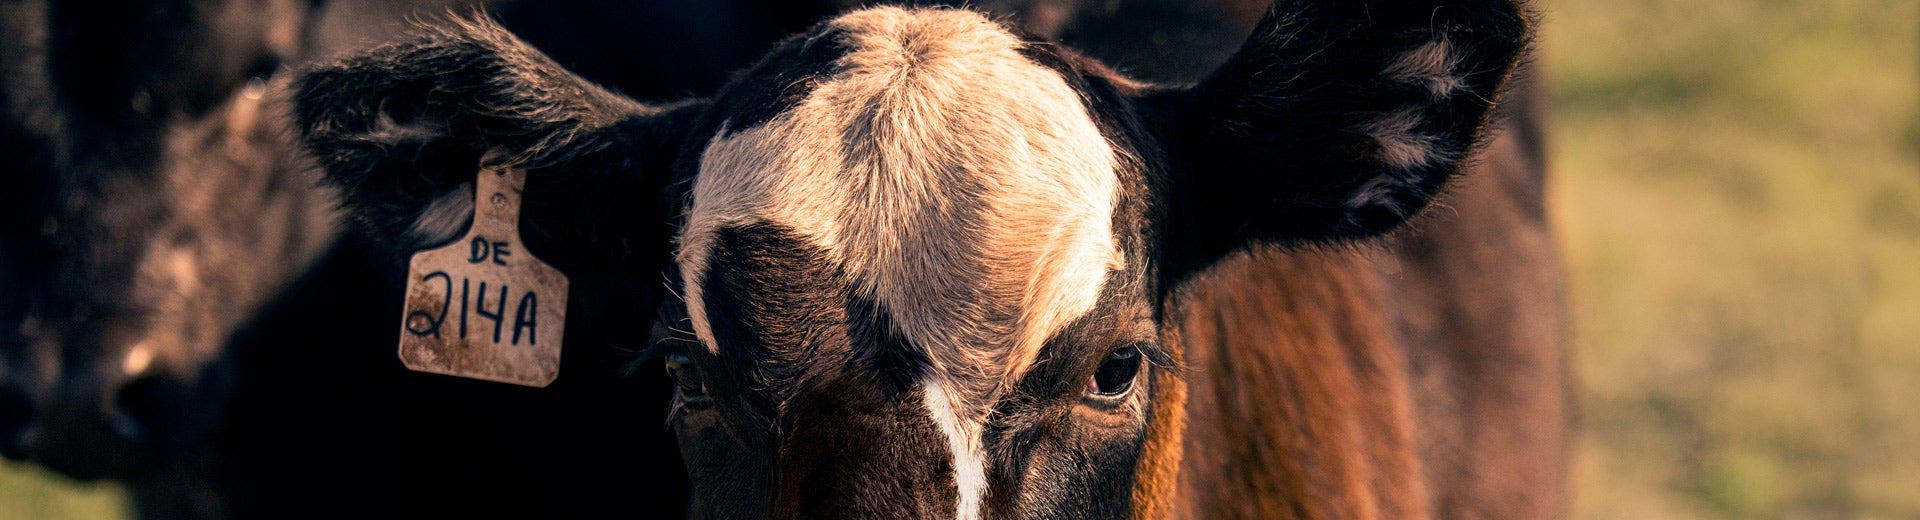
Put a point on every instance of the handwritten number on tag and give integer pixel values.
(474, 305)
(422, 323)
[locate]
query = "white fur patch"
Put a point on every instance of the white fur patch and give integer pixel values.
(963, 441)
(963, 187)
(444, 218)
(1433, 64)
(386, 130)
(1401, 145)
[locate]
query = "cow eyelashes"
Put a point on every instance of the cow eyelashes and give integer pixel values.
(1116, 373)
(686, 378)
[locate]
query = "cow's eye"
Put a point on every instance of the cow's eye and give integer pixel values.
(1116, 373)
(686, 377)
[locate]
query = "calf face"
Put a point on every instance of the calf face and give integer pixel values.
(911, 264)
(160, 204)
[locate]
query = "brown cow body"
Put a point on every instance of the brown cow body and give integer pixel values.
(1425, 376)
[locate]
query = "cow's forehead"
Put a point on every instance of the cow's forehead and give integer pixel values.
(960, 185)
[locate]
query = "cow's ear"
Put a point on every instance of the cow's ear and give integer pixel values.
(1337, 119)
(401, 130)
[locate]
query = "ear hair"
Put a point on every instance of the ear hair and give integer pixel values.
(401, 128)
(1338, 119)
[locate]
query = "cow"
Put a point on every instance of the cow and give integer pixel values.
(153, 205)
(178, 294)
(911, 264)
(155, 193)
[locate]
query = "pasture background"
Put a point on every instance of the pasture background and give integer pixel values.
(1737, 184)
(1737, 187)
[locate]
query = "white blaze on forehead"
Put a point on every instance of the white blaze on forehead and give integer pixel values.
(962, 186)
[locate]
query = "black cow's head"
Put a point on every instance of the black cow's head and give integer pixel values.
(911, 264)
(151, 203)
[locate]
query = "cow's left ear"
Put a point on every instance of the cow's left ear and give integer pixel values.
(401, 130)
(1337, 119)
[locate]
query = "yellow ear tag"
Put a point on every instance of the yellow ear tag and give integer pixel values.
(484, 307)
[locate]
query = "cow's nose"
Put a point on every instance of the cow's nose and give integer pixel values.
(16, 413)
(130, 411)
(147, 408)
(95, 429)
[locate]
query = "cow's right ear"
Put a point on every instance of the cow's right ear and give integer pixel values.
(401, 130)
(1337, 120)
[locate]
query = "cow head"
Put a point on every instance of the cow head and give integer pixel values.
(153, 203)
(910, 264)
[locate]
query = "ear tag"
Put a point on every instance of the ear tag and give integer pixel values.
(484, 307)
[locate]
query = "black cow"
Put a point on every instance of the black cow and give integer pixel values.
(182, 308)
(154, 204)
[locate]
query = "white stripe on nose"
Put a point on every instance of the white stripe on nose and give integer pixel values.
(963, 439)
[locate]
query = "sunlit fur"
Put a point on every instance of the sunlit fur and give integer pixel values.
(1432, 64)
(964, 188)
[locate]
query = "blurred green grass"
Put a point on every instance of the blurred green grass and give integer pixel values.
(30, 493)
(1738, 189)
(1737, 183)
